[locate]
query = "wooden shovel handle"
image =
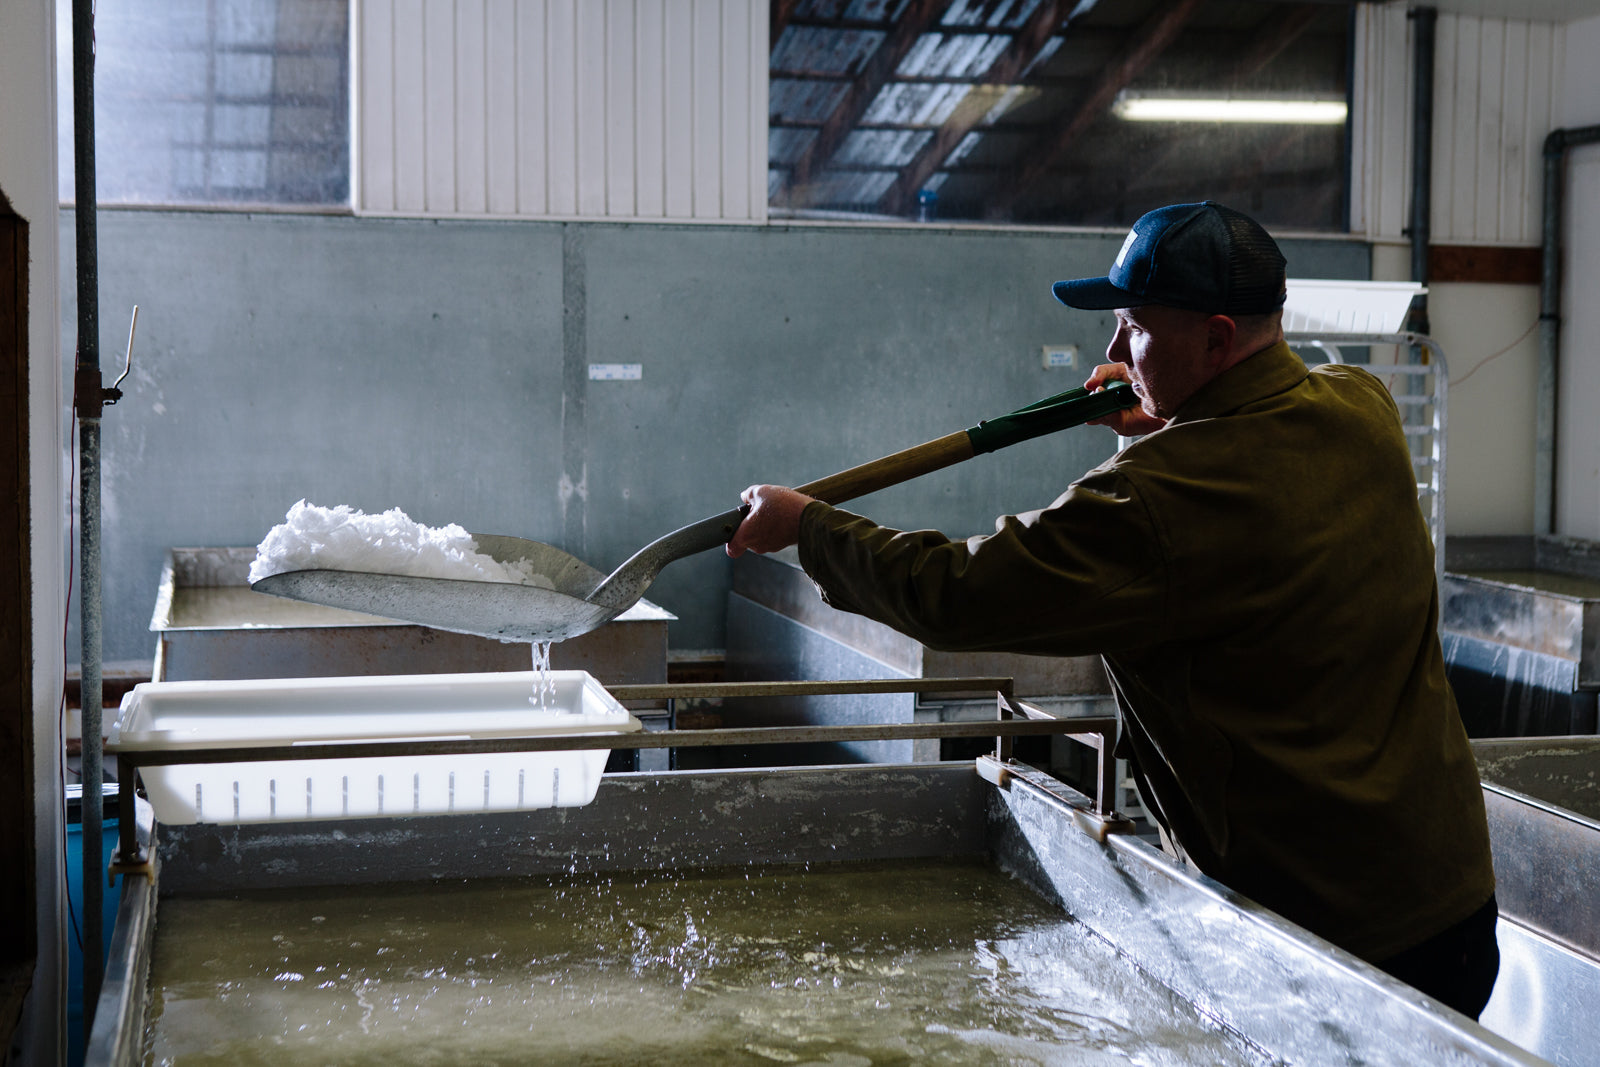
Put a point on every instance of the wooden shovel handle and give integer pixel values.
(900, 467)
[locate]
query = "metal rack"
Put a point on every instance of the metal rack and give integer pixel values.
(1013, 718)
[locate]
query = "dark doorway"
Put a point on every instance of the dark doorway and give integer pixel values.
(18, 933)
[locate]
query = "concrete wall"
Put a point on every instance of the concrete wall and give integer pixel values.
(28, 176)
(1577, 427)
(439, 367)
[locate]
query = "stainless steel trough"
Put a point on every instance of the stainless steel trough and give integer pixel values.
(1280, 990)
(1543, 799)
(1541, 594)
(209, 623)
(1520, 621)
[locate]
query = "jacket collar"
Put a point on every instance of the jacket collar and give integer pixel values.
(1272, 370)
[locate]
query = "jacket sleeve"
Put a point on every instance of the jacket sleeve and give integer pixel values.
(1087, 574)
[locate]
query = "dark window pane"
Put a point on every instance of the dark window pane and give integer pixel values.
(1012, 110)
(215, 102)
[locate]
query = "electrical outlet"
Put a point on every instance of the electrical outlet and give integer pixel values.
(1055, 357)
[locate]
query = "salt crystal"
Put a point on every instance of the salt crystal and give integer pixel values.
(344, 539)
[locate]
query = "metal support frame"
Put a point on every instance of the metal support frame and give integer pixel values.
(1013, 718)
(1099, 734)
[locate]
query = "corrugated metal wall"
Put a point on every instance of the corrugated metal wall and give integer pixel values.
(617, 109)
(1494, 85)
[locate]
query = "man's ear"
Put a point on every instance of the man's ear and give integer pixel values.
(1220, 333)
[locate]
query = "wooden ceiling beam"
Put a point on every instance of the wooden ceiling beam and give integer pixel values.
(1271, 38)
(1144, 46)
(914, 21)
(978, 101)
(780, 13)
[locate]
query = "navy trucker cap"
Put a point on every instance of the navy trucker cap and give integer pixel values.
(1200, 257)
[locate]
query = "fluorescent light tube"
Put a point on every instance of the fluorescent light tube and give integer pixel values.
(1152, 107)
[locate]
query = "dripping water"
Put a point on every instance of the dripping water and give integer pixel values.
(544, 686)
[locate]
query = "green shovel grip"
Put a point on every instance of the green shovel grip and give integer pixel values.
(1071, 408)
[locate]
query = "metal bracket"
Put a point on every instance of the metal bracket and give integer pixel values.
(1096, 824)
(89, 394)
(1099, 734)
(143, 865)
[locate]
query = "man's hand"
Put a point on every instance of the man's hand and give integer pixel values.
(773, 522)
(1129, 422)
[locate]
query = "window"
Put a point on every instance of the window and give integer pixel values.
(1025, 110)
(215, 102)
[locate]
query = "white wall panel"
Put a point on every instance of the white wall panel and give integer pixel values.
(622, 116)
(1517, 190)
(706, 111)
(531, 152)
(1380, 122)
(410, 187)
(438, 106)
(560, 102)
(374, 145)
(1494, 86)
(1539, 116)
(649, 109)
(735, 133)
(471, 111)
(500, 106)
(637, 109)
(590, 91)
(678, 125)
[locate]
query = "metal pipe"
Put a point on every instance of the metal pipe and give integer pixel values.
(1424, 21)
(732, 736)
(88, 399)
(1544, 458)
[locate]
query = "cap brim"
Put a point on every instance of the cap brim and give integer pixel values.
(1094, 294)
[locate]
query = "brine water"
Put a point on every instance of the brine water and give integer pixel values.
(846, 965)
(544, 686)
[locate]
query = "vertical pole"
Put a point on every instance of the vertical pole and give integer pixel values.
(1544, 452)
(1546, 415)
(87, 400)
(1424, 21)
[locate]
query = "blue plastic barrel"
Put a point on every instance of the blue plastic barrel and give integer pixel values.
(109, 900)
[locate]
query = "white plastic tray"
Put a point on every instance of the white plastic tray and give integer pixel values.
(208, 714)
(1321, 305)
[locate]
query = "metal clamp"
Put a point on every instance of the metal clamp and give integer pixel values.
(89, 394)
(1099, 733)
(143, 865)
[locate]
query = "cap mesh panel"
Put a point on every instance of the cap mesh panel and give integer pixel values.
(1255, 266)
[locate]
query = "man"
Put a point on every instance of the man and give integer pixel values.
(1258, 577)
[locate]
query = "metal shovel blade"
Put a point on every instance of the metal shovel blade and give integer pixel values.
(580, 598)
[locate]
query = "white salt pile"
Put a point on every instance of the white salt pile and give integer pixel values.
(344, 539)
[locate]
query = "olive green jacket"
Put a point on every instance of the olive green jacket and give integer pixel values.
(1259, 579)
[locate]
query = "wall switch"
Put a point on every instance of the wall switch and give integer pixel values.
(1059, 356)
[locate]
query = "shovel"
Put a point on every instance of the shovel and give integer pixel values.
(583, 599)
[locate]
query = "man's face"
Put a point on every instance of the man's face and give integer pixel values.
(1164, 350)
